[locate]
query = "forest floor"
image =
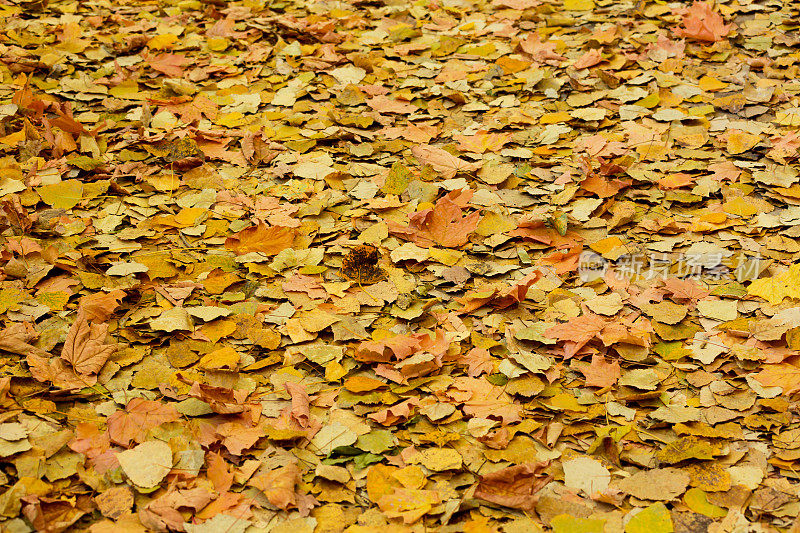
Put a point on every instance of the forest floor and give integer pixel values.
(493, 266)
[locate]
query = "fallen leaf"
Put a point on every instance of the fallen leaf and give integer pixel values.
(85, 347)
(701, 22)
(147, 464)
(514, 486)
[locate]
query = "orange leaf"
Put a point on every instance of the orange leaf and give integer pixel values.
(408, 504)
(269, 240)
(139, 417)
(482, 142)
(589, 59)
(16, 338)
(577, 332)
(601, 373)
(785, 375)
(170, 64)
(443, 225)
(218, 473)
(396, 413)
(702, 23)
(101, 305)
(363, 384)
(675, 181)
(278, 485)
(602, 187)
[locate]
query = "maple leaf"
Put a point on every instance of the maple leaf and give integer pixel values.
(685, 289)
(89, 440)
(238, 437)
(702, 23)
(589, 59)
(484, 400)
(478, 362)
(541, 52)
(170, 64)
(514, 486)
(602, 187)
(444, 225)
(222, 400)
(396, 413)
(601, 373)
(85, 347)
(138, 418)
(164, 512)
(774, 289)
(577, 332)
(499, 298)
(218, 472)
(99, 306)
(300, 403)
(51, 515)
(482, 142)
(56, 371)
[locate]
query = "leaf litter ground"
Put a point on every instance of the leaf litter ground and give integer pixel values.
(515, 265)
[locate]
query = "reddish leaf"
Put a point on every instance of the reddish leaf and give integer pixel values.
(138, 418)
(601, 373)
(170, 64)
(702, 23)
(444, 225)
(514, 486)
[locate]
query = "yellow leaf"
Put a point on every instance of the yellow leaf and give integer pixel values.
(218, 44)
(62, 195)
(218, 329)
(161, 42)
(697, 501)
(741, 142)
(776, 288)
(707, 83)
(223, 359)
(740, 206)
(578, 5)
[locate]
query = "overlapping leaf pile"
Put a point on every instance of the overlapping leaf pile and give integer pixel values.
(324, 266)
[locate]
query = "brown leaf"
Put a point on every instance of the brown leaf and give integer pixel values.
(16, 338)
(51, 515)
(514, 486)
(85, 347)
(99, 307)
(601, 373)
(165, 512)
(361, 265)
(54, 370)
